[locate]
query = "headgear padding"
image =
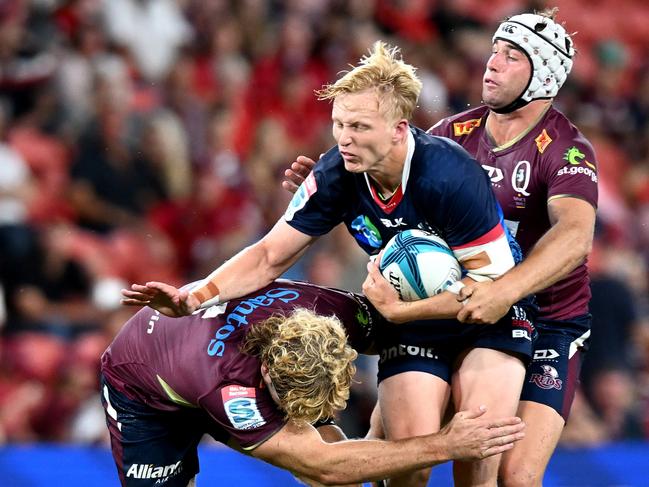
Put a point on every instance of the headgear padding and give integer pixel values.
(549, 49)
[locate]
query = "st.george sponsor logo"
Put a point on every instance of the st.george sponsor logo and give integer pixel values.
(151, 471)
(575, 158)
(239, 316)
(574, 170)
(411, 350)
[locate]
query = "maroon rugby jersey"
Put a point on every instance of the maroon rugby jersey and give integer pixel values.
(194, 361)
(552, 160)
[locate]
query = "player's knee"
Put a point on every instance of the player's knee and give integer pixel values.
(521, 475)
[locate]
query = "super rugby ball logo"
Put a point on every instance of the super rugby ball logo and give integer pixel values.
(240, 404)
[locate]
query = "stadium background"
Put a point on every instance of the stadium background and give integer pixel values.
(146, 139)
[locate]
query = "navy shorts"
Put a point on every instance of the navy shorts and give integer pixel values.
(153, 447)
(553, 374)
(432, 346)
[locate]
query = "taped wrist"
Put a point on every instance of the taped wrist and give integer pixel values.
(208, 295)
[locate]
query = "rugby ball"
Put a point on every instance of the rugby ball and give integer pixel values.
(418, 264)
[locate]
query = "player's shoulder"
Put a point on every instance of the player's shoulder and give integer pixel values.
(438, 152)
(330, 162)
(461, 124)
(329, 171)
(565, 138)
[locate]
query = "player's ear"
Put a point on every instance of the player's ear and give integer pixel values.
(264, 372)
(401, 131)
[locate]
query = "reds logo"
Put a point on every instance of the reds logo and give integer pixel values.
(548, 379)
(465, 128)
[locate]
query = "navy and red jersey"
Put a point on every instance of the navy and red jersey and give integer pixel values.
(442, 190)
(195, 361)
(552, 160)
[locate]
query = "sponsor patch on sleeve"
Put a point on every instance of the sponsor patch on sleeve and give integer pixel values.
(240, 405)
(301, 196)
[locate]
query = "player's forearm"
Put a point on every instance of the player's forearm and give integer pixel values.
(365, 460)
(440, 307)
(554, 256)
(251, 269)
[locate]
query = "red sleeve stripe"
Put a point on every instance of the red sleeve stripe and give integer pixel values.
(491, 236)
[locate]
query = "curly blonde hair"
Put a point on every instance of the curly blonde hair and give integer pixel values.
(309, 362)
(396, 83)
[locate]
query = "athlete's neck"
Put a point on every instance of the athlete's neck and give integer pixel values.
(505, 127)
(387, 175)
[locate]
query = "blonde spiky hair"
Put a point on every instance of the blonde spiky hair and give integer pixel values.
(309, 362)
(383, 70)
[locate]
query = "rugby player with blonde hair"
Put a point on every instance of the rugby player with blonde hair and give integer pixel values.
(264, 374)
(384, 176)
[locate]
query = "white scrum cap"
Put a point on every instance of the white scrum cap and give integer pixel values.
(547, 45)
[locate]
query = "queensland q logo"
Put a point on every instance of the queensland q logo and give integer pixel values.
(521, 177)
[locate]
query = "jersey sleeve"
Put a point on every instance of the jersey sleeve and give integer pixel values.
(471, 219)
(441, 128)
(248, 414)
(317, 206)
(571, 170)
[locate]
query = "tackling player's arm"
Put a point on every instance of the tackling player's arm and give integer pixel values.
(554, 256)
(252, 268)
(301, 450)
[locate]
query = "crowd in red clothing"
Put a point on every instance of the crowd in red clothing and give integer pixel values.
(146, 139)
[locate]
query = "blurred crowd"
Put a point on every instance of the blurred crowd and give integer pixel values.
(146, 140)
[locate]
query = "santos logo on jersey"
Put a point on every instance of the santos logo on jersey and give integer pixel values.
(238, 317)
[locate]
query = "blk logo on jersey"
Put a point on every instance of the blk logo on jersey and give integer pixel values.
(521, 325)
(240, 405)
(397, 222)
(549, 379)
